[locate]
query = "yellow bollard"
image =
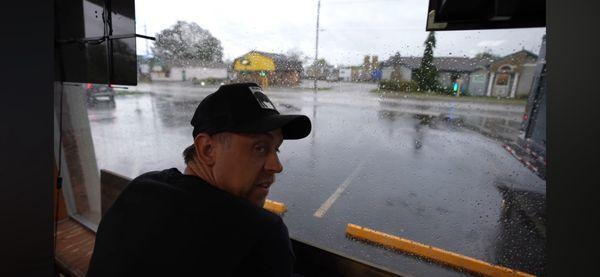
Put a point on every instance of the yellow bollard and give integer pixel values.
(275, 207)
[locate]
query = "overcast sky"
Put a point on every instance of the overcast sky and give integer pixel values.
(351, 29)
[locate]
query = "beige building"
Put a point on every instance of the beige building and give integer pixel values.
(267, 69)
(510, 76)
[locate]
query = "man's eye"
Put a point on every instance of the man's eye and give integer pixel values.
(261, 149)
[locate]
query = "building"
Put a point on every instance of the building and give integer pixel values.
(345, 73)
(370, 69)
(267, 69)
(357, 72)
(196, 72)
(396, 72)
(449, 69)
(510, 76)
(158, 70)
(186, 73)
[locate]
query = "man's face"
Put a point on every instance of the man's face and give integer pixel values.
(246, 164)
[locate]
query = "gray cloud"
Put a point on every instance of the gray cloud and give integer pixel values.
(350, 28)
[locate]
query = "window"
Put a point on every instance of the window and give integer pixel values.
(395, 146)
(502, 79)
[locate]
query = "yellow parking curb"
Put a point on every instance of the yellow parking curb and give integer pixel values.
(430, 252)
(275, 207)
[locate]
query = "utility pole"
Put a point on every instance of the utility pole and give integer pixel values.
(314, 119)
(317, 46)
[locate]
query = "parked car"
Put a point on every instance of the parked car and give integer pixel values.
(99, 92)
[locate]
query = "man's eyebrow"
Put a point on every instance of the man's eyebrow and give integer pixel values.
(279, 143)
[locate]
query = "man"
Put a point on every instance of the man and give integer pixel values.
(208, 221)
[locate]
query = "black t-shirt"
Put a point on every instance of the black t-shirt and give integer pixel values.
(169, 224)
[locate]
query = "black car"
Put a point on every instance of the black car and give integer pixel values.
(99, 92)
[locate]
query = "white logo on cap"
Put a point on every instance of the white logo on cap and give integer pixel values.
(262, 99)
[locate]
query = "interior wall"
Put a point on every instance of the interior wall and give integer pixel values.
(26, 190)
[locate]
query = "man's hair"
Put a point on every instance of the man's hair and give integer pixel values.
(190, 152)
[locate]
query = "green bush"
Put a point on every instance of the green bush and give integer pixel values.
(445, 90)
(398, 85)
(465, 93)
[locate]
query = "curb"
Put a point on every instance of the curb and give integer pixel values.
(431, 253)
(523, 161)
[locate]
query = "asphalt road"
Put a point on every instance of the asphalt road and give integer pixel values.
(410, 168)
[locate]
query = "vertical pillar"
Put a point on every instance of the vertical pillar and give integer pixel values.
(490, 84)
(513, 90)
(79, 157)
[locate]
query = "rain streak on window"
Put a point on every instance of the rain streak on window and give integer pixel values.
(435, 137)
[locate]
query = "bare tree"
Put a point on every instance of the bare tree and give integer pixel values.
(186, 43)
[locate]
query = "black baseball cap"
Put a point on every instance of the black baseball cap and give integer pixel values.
(244, 108)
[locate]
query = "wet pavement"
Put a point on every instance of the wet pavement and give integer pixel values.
(429, 171)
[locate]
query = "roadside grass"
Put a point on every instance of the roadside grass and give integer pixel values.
(441, 97)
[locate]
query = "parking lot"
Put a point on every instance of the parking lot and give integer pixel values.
(411, 168)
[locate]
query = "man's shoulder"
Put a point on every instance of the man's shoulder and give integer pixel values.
(156, 177)
(151, 185)
(196, 196)
(166, 182)
(178, 221)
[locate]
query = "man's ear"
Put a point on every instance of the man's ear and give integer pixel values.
(205, 149)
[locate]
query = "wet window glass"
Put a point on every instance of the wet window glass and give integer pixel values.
(435, 137)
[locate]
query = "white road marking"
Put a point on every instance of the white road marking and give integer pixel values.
(327, 204)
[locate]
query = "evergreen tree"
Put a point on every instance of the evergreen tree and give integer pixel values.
(395, 61)
(426, 75)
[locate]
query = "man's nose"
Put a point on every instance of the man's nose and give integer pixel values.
(273, 164)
